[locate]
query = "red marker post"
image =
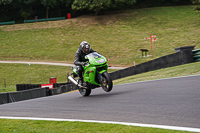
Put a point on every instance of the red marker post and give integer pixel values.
(69, 15)
(152, 40)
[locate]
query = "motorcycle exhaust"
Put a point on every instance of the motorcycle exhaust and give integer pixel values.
(76, 83)
(73, 81)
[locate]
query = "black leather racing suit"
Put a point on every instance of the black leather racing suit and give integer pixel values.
(79, 59)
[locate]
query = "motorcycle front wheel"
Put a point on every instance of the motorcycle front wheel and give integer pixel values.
(107, 83)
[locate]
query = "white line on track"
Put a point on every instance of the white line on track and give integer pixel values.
(109, 122)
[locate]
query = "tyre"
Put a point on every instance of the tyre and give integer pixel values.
(107, 83)
(84, 92)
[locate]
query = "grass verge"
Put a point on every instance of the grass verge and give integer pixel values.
(27, 126)
(119, 36)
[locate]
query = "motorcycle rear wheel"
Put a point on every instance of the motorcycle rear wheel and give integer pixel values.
(84, 92)
(107, 83)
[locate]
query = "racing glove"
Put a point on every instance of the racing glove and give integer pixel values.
(83, 63)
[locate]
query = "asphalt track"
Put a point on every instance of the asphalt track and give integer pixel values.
(172, 102)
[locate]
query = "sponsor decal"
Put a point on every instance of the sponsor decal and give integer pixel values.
(47, 85)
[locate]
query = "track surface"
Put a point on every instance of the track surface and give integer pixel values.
(173, 102)
(48, 63)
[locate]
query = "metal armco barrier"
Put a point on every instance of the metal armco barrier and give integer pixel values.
(6, 23)
(196, 54)
(45, 19)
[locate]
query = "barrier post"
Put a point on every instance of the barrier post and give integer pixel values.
(152, 40)
(67, 77)
(4, 82)
(36, 18)
(69, 15)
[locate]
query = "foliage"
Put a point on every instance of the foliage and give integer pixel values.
(5, 2)
(18, 10)
(26, 12)
(99, 5)
(197, 9)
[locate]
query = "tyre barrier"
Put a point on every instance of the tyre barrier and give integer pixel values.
(179, 58)
(62, 89)
(20, 87)
(196, 54)
(26, 93)
(22, 95)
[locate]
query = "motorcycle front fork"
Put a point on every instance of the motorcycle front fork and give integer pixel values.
(99, 77)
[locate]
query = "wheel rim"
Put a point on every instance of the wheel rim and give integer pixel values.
(104, 83)
(84, 91)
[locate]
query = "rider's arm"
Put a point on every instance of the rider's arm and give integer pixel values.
(91, 50)
(78, 61)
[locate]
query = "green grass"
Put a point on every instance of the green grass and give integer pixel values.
(119, 36)
(37, 74)
(27, 126)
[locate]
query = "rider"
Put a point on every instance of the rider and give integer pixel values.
(80, 60)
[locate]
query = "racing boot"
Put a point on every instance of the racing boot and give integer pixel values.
(80, 81)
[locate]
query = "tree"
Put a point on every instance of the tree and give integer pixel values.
(92, 5)
(55, 4)
(47, 4)
(99, 5)
(197, 9)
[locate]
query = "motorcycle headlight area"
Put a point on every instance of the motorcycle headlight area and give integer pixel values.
(100, 61)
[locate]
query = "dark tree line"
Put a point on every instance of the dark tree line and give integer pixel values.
(19, 10)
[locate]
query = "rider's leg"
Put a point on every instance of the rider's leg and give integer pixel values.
(80, 75)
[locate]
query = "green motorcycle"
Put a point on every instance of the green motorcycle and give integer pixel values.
(94, 75)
